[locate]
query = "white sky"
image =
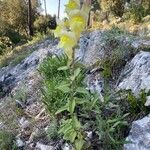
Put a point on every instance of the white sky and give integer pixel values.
(52, 7)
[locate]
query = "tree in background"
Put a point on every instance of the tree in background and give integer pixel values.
(58, 8)
(137, 10)
(95, 5)
(43, 23)
(15, 14)
(45, 8)
(30, 18)
(115, 7)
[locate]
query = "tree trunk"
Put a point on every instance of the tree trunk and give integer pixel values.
(45, 8)
(58, 8)
(30, 18)
(89, 2)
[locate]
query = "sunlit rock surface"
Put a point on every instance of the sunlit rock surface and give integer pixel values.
(136, 75)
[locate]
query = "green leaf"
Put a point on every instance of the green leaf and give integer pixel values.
(82, 90)
(125, 115)
(113, 127)
(64, 87)
(80, 101)
(67, 125)
(94, 103)
(112, 120)
(63, 68)
(76, 123)
(61, 109)
(72, 104)
(79, 144)
(70, 135)
(76, 73)
(111, 138)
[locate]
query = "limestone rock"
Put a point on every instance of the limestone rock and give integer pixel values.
(41, 146)
(139, 135)
(136, 75)
(94, 47)
(147, 101)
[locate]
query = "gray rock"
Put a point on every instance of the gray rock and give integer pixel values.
(147, 101)
(67, 146)
(24, 123)
(20, 143)
(139, 136)
(20, 104)
(136, 75)
(95, 83)
(10, 76)
(37, 134)
(94, 48)
(41, 146)
(91, 47)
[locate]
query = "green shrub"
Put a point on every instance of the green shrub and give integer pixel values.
(137, 105)
(52, 97)
(109, 120)
(43, 23)
(14, 36)
(117, 53)
(6, 140)
(52, 131)
(4, 43)
(137, 12)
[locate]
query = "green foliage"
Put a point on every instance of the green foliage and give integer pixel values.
(137, 104)
(21, 94)
(52, 131)
(53, 98)
(111, 130)
(14, 14)
(8, 115)
(136, 13)
(114, 6)
(4, 43)
(117, 53)
(43, 23)
(13, 56)
(95, 5)
(109, 120)
(6, 140)
(57, 92)
(14, 36)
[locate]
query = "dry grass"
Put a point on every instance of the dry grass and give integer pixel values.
(140, 29)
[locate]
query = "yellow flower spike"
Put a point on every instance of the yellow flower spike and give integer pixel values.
(70, 30)
(77, 21)
(72, 4)
(67, 42)
(62, 25)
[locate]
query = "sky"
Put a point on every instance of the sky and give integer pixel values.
(52, 7)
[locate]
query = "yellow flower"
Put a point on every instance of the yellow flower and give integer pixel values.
(67, 40)
(72, 4)
(77, 21)
(62, 25)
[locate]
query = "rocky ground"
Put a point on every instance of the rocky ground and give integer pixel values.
(24, 78)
